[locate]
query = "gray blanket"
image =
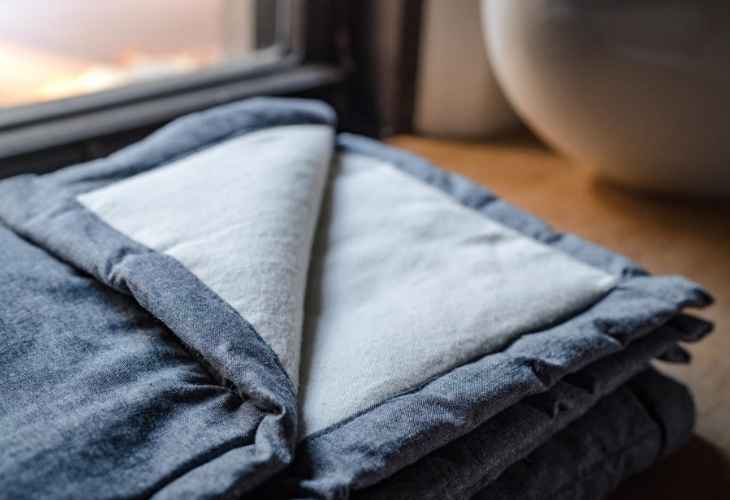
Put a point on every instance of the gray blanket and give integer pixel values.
(246, 302)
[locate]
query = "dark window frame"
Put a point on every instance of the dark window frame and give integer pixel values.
(335, 54)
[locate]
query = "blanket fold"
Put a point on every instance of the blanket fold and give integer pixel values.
(657, 416)
(256, 304)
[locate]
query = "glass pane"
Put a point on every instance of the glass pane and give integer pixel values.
(63, 48)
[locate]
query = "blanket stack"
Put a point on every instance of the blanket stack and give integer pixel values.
(247, 303)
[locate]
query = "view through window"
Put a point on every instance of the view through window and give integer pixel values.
(65, 48)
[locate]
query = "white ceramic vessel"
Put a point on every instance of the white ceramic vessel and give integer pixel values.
(639, 89)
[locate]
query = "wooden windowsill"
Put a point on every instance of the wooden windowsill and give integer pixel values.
(666, 236)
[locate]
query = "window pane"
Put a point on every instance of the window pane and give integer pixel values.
(64, 48)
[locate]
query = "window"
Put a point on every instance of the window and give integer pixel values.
(69, 48)
(80, 78)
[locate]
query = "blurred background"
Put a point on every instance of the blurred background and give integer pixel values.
(76, 47)
(635, 90)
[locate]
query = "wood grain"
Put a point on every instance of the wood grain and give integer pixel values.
(667, 236)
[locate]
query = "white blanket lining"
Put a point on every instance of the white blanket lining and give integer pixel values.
(402, 283)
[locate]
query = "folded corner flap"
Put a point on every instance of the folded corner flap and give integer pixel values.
(240, 216)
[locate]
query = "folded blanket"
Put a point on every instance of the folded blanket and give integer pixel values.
(246, 302)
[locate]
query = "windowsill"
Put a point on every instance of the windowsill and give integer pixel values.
(105, 121)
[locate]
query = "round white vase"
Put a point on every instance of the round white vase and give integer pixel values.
(637, 89)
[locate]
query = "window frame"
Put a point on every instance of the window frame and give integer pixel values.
(44, 136)
(358, 55)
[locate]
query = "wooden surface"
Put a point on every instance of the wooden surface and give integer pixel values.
(667, 236)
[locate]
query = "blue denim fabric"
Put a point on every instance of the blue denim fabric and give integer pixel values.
(100, 399)
(656, 418)
(128, 377)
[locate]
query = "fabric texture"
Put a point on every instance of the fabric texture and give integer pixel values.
(241, 217)
(133, 364)
(100, 399)
(589, 458)
(407, 284)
